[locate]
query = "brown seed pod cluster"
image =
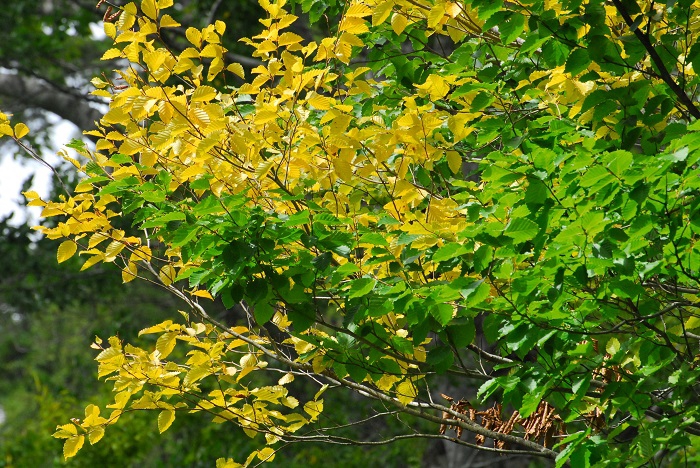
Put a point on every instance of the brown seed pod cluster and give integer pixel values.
(543, 424)
(108, 16)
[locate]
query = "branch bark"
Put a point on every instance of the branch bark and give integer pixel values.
(31, 92)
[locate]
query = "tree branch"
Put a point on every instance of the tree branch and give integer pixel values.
(35, 93)
(665, 75)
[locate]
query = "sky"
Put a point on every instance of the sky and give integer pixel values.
(14, 171)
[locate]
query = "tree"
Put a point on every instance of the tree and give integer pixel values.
(435, 197)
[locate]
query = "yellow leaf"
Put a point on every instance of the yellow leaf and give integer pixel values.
(72, 445)
(167, 275)
(113, 250)
(266, 454)
(398, 23)
(203, 293)
(166, 343)
(454, 160)
(236, 69)
(286, 378)
(165, 419)
(288, 38)
(265, 116)
(66, 250)
(436, 14)
(313, 409)
(149, 8)
(194, 36)
(65, 431)
(129, 273)
(203, 93)
(227, 463)
(358, 10)
(110, 54)
(458, 124)
(167, 21)
(215, 68)
(21, 130)
(406, 392)
(92, 261)
(692, 323)
(354, 26)
(211, 51)
(116, 115)
(381, 12)
(31, 195)
(110, 30)
(83, 187)
(96, 433)
(319, 102)
(321, 391)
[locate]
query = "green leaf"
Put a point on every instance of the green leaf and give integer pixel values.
(343, 272)
(440, 358)
(555, 53)
(160, 221)
(361, 287)
(263, 312)
(521, 230)
(578, 61)
(297, 219)
(442, 313)
(531, 401)
(462, 335)
(511, 29)
(209, 205)
(449, 251)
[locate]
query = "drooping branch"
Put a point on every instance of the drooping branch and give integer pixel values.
(31, 92)
(421, 410)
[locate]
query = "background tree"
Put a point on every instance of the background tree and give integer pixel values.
(326, 200)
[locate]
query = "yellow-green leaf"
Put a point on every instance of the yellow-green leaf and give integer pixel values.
(165, 419)
(454, 160)
(72, 445)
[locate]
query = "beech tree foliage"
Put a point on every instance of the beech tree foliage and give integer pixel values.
(502, 195)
